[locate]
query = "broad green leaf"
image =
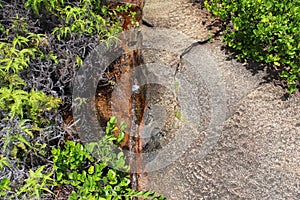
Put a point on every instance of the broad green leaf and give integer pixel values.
(91, 170)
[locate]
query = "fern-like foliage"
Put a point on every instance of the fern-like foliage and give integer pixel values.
(81, 17)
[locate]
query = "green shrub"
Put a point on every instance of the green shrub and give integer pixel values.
(96, 170)
(16, 53)
(4, 186)
(21, 108)
(264, 30)
(36, 184)
(33, 61)
(101, 177)
(83, 17)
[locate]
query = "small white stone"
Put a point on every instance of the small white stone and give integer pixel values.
(135, 88)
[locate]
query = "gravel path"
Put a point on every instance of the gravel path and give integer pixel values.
(257, 154)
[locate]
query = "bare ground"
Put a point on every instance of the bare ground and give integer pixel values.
(258, 153)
